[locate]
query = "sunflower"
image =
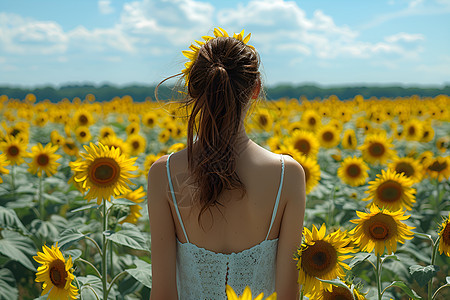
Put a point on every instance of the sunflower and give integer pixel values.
(444, 235)
(311, 119)
(193, 53)
(43, 159)
(164, 136)
(443, 143)
(353, 171)
(136, 196)
(176, 147)
(83, 117)
(133, 128)
(116, 142)
(56, 138)
(83, 134)
(69, 147)
(341, 293)
(247, 295)
(392, 191)
(104, 172)
(322, 257)
(149, 119)
(133, 216)
(312, 171)
(439, 168)
(413, 130)
(305, 142)
(328, 136)
(380, 229)
(425, 158)
(3, 163)
(427, 134)
(106, 131)
(14, 149)
(377, 149)
(408, 166)
(349, 139)
(274, 142)
(263, 120)
(56, 274)
(149, 160)
(136, 144)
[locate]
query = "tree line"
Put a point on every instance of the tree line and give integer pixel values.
(140, 93)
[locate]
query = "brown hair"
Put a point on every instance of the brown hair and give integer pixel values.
(221, 82)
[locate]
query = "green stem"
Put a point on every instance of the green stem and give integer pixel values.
(90, 264)
(90, 287)
(114, 280)
(41, 200)
(433, 259)
(378, 274)
(96, 245)
(301, 294)
(104, 271)
(111, 268)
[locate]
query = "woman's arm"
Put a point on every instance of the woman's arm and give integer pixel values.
(162, 230)
(290, 231)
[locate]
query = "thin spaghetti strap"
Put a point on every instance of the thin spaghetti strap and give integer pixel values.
(277, 201)
(173, 197)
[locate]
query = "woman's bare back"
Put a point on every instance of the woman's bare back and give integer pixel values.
(242, 221)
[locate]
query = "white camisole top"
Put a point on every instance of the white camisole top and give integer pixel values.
(204, 274)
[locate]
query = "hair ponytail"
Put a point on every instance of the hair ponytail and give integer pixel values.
(221, 83)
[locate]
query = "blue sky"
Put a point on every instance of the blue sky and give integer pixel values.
(316, 41)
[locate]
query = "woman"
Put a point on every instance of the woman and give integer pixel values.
(224, 210)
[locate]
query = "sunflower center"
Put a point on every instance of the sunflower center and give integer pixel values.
(379, 231)
(83, 119)
(446, 234)
(303, 146)
(135, 145)
(406, 168)
(437, 167)
(377, 149)
(353, 170)
(411, 130)
(106, 134)
(150, 121)
(83, 134)
(327, 136)
(389, 191)
(312, 121)
(58, 273)
(263, 120)
(13, 150)
(42, 159)
(319, 259)
(104, 171)
(349, 140)
(380, 227)
(70, 145)
(338, 293)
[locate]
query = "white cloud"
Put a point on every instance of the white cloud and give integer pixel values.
(406, 37)
(105, 8)
(100, 40)
(22, 35)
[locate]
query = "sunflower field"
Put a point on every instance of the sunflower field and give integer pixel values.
(73, 180)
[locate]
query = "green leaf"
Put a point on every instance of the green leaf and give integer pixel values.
(93, 205)
(53, 198)
(45, 229)
(17, 247)
(423, 274)
(129, 236)
(142, 273)
(8, 285)
(74, 253)
(68, 237)
(335, 282)
(124, 202)
(359, 258)
(394, 257)
(423, 235)
(10, 220)
(447, 279)
(406, 289)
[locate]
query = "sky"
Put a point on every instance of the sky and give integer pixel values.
(326, 42)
